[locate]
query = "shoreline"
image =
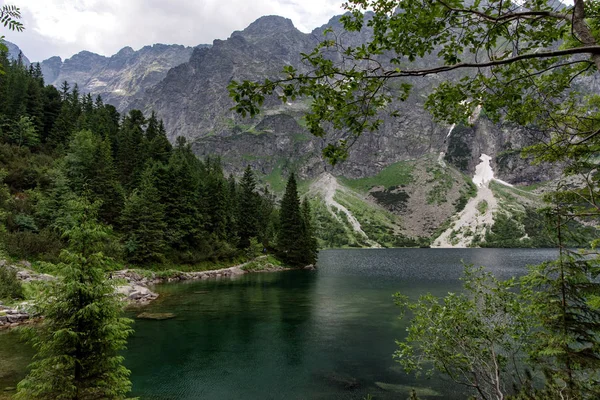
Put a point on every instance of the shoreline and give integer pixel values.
(138, 293)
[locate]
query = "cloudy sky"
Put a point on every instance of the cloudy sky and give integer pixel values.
(65, 27)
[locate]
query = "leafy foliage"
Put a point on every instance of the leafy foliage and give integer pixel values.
(10, 287)
(476, 337)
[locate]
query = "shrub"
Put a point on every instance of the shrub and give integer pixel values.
(10, 287)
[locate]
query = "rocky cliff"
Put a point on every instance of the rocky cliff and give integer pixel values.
(120, 78)
(194, 103)
(188, 90)
(14, 51)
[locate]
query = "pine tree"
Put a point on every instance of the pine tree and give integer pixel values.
(231, 211)
(181, 193)
(23, 133)
(291, 230)
(216, 205)
(131, 156)
(309, 240)
(159, 146)
(80, 339)
(89, 167)
(34, 104)
(51, 110)
(143, 222)
(247, 223)
(266, 220)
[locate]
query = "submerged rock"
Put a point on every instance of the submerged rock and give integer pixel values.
(156, 316)
(398, 388)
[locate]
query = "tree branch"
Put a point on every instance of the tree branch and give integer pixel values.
(511, 15)
(593, 50)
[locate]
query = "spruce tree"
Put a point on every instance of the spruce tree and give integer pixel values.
(181, 193)
(80, 339)
(290, 248)
(309, 240)
(89, 167)
(159, 147)
(131, 155)
(143, 222)
(248, 211)
(231, 211)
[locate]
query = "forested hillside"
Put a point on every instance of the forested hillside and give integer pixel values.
(162, 204)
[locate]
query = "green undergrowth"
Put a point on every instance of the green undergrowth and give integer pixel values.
(518, 223)
(332, 232)
(263, 263)
(397, 174)
(169, 270)
(441, 181)
(378, 223)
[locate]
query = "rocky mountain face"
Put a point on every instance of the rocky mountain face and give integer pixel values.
(14, 51)
(193, 101)
(120, 78)
(187, 87)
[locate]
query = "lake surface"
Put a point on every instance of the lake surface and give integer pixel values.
(325, 334)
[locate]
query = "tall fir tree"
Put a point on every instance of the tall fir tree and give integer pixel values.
(131, 155)
(290, 248)
(143, 222)
(159, 146)
(248, 210)
(308, 238)
(80, 340)
(89, 167)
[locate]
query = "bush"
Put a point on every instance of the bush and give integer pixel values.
(28, 245)
(10, 287)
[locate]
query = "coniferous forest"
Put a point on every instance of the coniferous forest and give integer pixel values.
(162, 205)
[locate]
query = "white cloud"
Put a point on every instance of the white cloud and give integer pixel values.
(64, 27)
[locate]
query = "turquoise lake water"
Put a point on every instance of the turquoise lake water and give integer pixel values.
(325, 334)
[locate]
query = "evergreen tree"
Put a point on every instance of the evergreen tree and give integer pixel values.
(51, 110)
(216, 204)
(131, 156)
(89, 167)
(80, 339)
(159, 146)
(247, 223)
(309, 240)
(65, 89)
(290, 247)
(143, 222)
(34, 104)
(231, 211)
(266, 221)
(23, 133)
(181, 193)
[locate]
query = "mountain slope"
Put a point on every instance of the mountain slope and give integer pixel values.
(120, 78)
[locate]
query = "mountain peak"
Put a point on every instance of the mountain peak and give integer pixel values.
(125, 52)
(13, 52)
(269, 24)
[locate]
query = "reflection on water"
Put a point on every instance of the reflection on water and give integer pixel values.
(325, 334)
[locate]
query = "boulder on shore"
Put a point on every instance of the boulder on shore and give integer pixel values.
(156, 316)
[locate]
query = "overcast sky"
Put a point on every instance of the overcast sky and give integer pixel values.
(65, 27)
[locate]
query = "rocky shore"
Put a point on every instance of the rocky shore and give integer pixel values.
(13, 316)
(133, 285)
(137, 291)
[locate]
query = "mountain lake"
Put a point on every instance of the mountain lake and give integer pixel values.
(324, 334)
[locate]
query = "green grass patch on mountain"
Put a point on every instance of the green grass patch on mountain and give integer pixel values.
(378, 223)
(397, 174)
(441, 182)
(332, 232)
